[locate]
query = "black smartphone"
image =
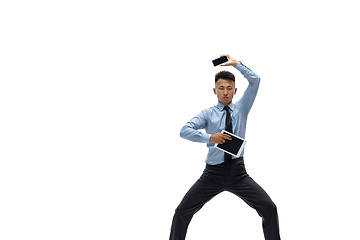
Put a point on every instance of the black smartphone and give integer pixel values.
(220, 60)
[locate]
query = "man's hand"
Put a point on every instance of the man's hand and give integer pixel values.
(219, 138)
(231, 61)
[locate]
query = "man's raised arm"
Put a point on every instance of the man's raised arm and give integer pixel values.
(248, 98)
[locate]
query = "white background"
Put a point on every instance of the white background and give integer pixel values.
(90, 90)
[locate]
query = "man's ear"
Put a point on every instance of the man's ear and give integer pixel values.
(214, 90)
(235, 91)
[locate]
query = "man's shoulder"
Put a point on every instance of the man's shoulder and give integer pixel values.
(211, 109)
(208, 111)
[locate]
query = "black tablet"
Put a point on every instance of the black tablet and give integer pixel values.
(235, 146)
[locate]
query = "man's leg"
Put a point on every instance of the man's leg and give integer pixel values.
(247, 189)
(209, 185)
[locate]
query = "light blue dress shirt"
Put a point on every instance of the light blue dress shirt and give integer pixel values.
(213, 119)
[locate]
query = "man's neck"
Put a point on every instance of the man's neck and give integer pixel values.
(225, 104)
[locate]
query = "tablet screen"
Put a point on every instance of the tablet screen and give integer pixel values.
(233, 146)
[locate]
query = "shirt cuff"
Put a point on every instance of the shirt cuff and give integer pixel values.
(239, 65)
(205, 137)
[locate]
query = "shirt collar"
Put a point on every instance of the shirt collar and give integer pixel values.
(221, 106)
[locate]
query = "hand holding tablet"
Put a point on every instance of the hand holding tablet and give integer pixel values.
(219, 138)
(234, 147)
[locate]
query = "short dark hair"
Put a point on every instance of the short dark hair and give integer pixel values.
(224, 75)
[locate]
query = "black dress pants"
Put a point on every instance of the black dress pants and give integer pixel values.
(231, 177)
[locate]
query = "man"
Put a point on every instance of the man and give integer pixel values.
(224, 172)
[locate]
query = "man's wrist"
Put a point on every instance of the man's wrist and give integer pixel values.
(235, 63)
(206, 137)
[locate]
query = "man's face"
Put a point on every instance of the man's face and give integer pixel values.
(225, 91)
